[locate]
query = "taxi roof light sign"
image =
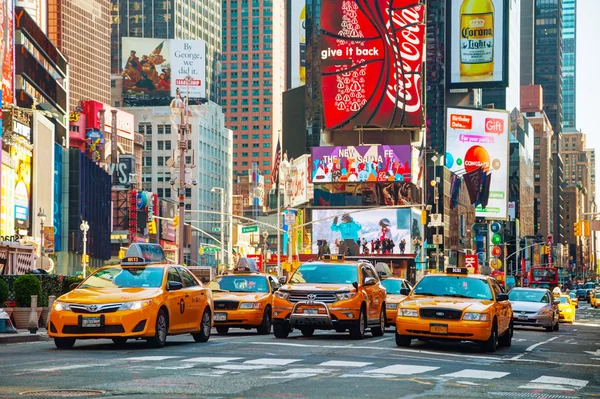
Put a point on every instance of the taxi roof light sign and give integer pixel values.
(457, 270)
(141, 254)
(334, 257)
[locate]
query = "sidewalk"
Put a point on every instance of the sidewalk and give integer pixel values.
(24, 336)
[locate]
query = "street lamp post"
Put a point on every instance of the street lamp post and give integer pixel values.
(264, 252)
(221, 192)
(291, 171)
(42, 216)
(84, 228)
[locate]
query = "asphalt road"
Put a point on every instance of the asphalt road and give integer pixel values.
(542, 365)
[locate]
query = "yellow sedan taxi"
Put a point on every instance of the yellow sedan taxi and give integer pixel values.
(244, 299)
(393, 298)
(595, 298)
(456, 306)
(566, 309)
(142, 298)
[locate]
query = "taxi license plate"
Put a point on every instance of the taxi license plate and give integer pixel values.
(438, 329)
(220, 316)
(310, 311)
(91, 322)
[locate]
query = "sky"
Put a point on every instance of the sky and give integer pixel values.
(587, 73)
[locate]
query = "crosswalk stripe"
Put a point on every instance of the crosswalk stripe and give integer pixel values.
(477, 374)
(150, 358)
(266, 361)
(560, 380)
(211, 359)
(402, 369)
(337, 363)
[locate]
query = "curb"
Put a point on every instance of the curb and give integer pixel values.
(22, 338)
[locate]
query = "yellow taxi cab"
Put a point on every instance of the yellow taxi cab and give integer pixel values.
(244, 298)
(574, 299)
(566, 309)
(392, 286)
(456, 306)
(594, 298)
(331, 294)
(142, 298)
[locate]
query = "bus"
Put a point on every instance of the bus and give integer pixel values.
(543, 277)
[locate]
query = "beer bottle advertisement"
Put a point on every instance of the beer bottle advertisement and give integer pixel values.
(478, 43)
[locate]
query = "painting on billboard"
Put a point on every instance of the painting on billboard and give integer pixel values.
(477, 151)
(350, 231)
(146, 69)
(361, 164)
(477, 46)
(371, 63)
(365, 194)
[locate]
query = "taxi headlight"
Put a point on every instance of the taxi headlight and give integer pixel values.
(476, 317)
(392, 305)
(341, 296)
(282, 294)
(59, 306)
(250, 305)
(137, 305)
(409, 312)
(567, 310)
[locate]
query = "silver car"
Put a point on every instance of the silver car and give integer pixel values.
(534, 307)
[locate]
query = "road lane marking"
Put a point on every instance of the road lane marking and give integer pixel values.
(402, 369)
(337, 363)
(556, 383)
(477, 374)
(183, 367)
(379, 340)
(211, 359)
(150, 358)
(308, 371)
(586, 324)
(517, 357)
(242, 367)
(532, 347)
(272, 361)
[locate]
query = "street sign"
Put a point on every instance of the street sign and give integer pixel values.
(471, 263)
(216, 229)
(438, 239)
(430, 246)
(249, 229)
(435, 220)
(290, 219)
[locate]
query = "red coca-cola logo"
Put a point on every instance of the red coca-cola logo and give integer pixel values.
(371, 63)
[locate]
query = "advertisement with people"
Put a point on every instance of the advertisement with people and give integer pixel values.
(352, 232)
(477, 43)
(371, 63)
(477, 151)
(365, 194)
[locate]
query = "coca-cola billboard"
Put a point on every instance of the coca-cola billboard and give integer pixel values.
(371, 63)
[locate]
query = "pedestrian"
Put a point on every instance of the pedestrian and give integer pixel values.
(372, 246)
(402, 246)
(377, 246)
(364, 246)
(336, 246)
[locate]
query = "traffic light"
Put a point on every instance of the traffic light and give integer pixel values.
(577, 229)
(152, 227)
(423, 217)
(121, 254)
(586, 228)
(85, 259)
(176, 221)
(201, 251)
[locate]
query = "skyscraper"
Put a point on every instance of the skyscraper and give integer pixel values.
(168, 19)
(253, 80)
(569, 39)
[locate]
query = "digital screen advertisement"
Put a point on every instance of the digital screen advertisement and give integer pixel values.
(477, 43)
(371, 63)
(347, 226)
(377, 163)
(297, 43)
(477, 150)
(366, 194)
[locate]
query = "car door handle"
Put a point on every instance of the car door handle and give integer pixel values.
(187, 295)
(202, 293)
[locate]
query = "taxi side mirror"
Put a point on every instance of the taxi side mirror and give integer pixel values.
(404, 291)
(370, 281)
(355, 285)
(174, 286)
(282, 280)
(556, 302)
(73, 286)
(502, 297)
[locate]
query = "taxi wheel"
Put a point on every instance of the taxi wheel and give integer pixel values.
(402, 340)
(506, 339)
(380, 330)
(205, 328)
(307, 331)
(357, 331)
(556, 326)
(265, 326)
(492, 343)
(119, 341)
(222, 330)
(281, 330)
(160, 336)
(64, 343)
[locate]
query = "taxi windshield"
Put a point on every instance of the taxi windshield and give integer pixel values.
(133, 277)
(563, 299)
(392, 286)
(324, 273)
(233, 283)
(454, 286)
(528, 296)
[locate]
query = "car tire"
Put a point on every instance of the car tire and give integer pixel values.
(222, 330)
(307, 331)
(506, 340)
(160, 331)
(357, 331)
(64, 343)
(550, 328)
(265, 325)
(492, 342)
(281, 330)
(119, 341)
(380, 330)
(402, 340)
(557, 326)
(205, 327)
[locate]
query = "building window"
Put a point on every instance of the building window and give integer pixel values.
(161, 145)
(148, 146)
(148, 161)
(160, 161)
(167, 145)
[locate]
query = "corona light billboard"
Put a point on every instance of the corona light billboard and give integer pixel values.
(477, 151)
(371, 63)
(477, 45)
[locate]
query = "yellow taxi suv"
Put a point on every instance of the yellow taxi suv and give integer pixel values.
(594, 298)
(332, 294)
(456, 306)
(142, 298)
(244, 298)
(566, 309)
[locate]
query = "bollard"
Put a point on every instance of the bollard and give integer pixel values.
(33, 319)
(51, 300)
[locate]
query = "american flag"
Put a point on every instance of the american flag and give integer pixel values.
(275, 172)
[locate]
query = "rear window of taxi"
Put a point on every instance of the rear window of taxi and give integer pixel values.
(454, 286)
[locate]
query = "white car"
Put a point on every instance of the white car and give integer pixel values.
(534, 307)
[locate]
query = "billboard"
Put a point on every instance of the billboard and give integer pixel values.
(374, 163)
(297, 62)
(372, 62)
(366, 194)
(168, 209)
(349, 225)
(477, 149)
(8, 72)
(155, 68)
(302, 189)
(477, 45)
